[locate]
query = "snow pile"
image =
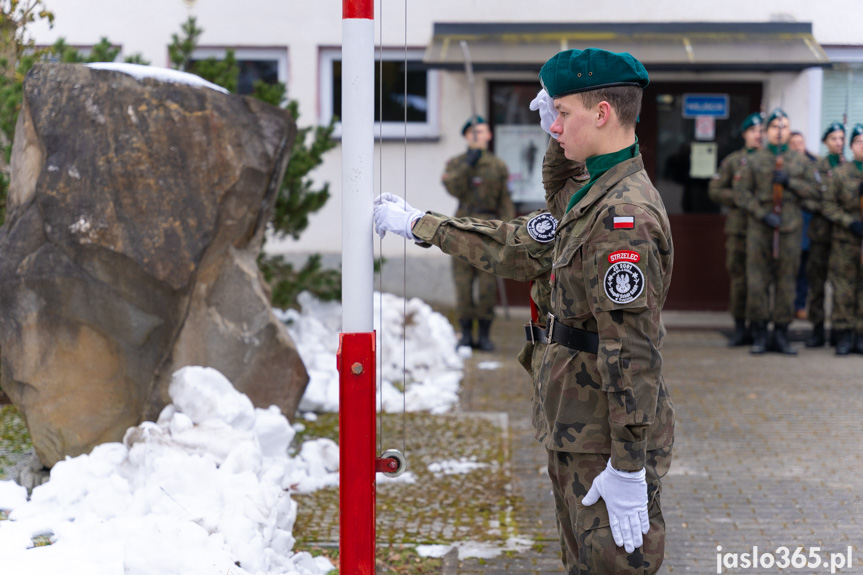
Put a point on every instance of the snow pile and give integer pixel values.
(140, 72)
(203, 490)
(426, 340)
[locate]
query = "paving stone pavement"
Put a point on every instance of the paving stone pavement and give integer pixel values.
(767, 454)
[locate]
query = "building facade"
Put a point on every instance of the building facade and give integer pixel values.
(710, 65)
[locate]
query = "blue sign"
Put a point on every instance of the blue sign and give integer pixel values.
(715, 105)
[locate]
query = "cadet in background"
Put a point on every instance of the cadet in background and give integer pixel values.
(479, 181)
(721, 191)
(843, 206)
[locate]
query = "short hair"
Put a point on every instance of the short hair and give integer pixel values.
(626, 101)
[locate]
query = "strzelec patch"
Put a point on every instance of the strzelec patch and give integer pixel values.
(542, 228)
(624, 281)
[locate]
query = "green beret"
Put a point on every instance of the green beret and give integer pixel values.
(776, 114)
(856, 131)
(470, 122)
(574, 71)
(834, 127)
(751, 120)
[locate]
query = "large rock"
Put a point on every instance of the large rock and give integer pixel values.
(135, 214)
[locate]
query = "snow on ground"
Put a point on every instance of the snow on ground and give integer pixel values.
(456, 466)
(206, 486)
(468, 549)
(421, 352)
(140, 72)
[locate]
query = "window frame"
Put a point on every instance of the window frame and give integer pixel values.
(278, 53)
(428, 130)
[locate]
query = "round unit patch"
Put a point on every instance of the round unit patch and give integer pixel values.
(623, 282)
(542, 228)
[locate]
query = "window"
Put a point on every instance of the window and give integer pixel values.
(422, 93)
(267, 64)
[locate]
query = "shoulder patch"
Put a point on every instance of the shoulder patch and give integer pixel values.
(542, 228)
(623, 281)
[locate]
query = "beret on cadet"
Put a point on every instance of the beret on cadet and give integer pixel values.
(857, 131)
(574, 71)
(751, 120)
(834, 127)
(470, 121)
(775, 114)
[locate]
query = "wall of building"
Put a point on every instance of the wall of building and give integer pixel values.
(414, 170)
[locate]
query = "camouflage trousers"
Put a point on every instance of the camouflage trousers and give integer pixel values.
(846, 275)
(587, 546)
(764, 271)
(467, 307)
(816, 276)
(735, 263)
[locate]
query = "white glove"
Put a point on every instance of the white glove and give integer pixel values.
(394, 214)
(625, 495)
(547, 112)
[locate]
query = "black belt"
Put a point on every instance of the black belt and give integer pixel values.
(571, 337)
(534, 333)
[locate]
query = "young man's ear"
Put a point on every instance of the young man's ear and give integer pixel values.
(603, 113)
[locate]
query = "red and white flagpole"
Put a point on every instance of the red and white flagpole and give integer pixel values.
(356, 359)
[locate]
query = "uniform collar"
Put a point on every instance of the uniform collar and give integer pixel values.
(603, 183)
(599, 165)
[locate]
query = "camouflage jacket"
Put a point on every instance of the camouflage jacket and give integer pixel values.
(721, 191)
(820, 228)
(611, 273)
(520, 249)
(842, 204)
(753, 185)
(482, 190)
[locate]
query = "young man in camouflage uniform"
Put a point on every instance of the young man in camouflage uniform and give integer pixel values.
(611, 421)
(821, 233)
(754, 184)
(478, 180)
(721, 191)
(842, 206)
(520, 249)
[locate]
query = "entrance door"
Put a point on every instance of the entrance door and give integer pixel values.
(681, 154)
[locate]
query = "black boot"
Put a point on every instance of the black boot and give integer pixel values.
(834, 337)
(466, 333)
(739, 337)
(816, 338)
(844, 342)
(759, 337)
(858, 346)
(485, 343)
(780, 340)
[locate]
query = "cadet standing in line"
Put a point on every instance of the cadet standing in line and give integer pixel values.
(721, 191)
(842, 206)
(773, 258)
(611, 421)
(797, 142)
(478, 179)
(821, 233)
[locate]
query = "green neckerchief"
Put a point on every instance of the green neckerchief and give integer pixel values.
(776, 150)
(833, 159)
(859, 165)
(751, 150)
(598, 165)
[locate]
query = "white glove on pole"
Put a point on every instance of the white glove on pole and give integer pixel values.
(547, 112)
(394, 214)
(625, 495)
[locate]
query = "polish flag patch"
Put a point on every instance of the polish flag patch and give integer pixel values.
(624, 222)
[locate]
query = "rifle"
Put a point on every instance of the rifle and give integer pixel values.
(777, 205)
